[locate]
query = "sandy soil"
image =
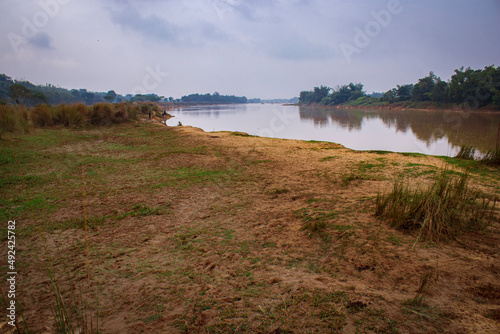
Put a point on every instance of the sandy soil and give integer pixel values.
(228, 253)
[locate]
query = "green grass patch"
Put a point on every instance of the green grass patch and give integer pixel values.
(364, 167)
(346, 179)
(379, 152)
(279, 191)
(412, 154)
(330, 158)
(241, 134)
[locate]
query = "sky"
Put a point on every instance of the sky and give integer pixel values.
(254, 48)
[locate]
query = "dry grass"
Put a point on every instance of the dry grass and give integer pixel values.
(13, 119)
(17, 119)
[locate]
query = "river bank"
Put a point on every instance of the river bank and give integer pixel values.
(455, 108)
(190, 231)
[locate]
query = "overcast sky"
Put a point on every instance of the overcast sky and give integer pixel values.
(258, 48)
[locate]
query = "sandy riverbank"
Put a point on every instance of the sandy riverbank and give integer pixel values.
(204, 233)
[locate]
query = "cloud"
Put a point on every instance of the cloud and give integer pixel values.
(257, 48)
(152, 26)
(297, 47)
(42, 40)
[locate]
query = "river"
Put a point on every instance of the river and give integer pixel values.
(429, 132)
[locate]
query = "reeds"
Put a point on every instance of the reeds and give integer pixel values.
(466, 153)
(13, 119)
(442, 210)
(492, 157)
(17, 118)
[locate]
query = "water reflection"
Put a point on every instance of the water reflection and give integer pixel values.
(430, 132)
(211, 110)
(460, 128)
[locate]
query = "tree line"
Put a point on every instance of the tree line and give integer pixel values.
(26, 93)
(476, 88)
(213, 98)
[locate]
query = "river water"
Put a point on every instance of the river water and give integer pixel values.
(429, 132)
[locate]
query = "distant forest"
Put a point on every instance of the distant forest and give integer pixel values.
(475, 88)
(26, 93)
(215, 98)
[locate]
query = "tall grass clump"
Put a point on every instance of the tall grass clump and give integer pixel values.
(13, 119)
(146, 108)
(492, 157)
(101, 114)
(133, 111)
(74, 115)
(442, 210)
(42, 115)
(107, 114)
(466, 153)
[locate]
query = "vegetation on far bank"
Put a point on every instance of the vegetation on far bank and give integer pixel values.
(24, 92)
(471, 88)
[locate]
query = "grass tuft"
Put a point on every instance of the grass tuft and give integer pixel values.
(443, 209)
(13, 119)
(492, 157)
(466, 153)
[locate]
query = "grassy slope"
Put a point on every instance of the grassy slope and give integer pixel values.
(200, 232)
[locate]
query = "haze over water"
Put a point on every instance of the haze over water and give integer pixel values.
(428, 132)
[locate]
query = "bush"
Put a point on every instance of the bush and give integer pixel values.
(13, 119)
(42, 115)
(101, 114)
(70, 115)
(442, 210)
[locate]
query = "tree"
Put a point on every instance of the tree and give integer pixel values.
(110, 96)
(423, 89)
(403, 92)
(390, 96)
(39, 97)
(440, 91)
(306, 97)
(18, 93)
(88, 97)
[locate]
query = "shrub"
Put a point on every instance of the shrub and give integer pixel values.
(101, 114)
(70, 115)
(42, 115)
(133, 111)
(120, 113)
(13, 119)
